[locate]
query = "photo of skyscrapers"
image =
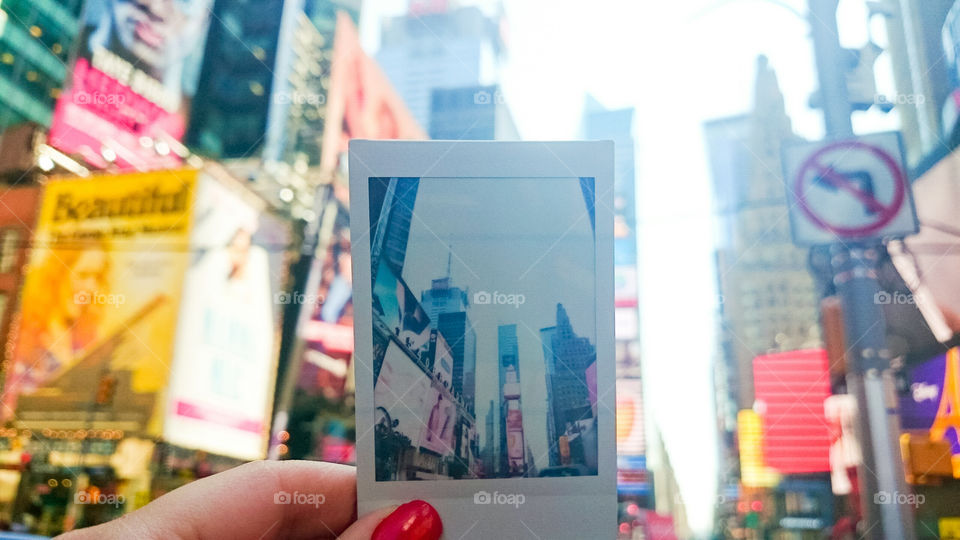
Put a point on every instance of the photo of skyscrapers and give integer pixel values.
(484, 327)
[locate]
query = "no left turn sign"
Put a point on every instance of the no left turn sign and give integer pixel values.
(848, 190)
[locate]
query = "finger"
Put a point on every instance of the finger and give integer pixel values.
(364, 527)
(263, 499)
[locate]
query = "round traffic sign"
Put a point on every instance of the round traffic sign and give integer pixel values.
(816, 167)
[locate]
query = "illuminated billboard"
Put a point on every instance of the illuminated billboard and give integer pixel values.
(221, 391)
(134, 74)
(361, 102)
(100, 300)
(796, 434)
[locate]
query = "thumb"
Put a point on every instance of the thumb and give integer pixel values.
(363, 528)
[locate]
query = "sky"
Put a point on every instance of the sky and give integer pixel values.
(679, 64)
(529, 237)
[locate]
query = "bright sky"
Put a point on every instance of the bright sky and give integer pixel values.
(678, 69)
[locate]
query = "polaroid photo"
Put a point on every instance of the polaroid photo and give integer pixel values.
(483, 297)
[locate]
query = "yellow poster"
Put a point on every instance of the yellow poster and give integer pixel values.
(95, 336)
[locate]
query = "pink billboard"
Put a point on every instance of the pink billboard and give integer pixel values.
(136, 67)
(437, 433)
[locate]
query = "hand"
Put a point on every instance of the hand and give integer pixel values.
(256, 501)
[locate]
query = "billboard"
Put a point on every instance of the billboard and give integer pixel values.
(100, 299)
(401, 311)
(791, 388)
(437, 433)
(933, 397)
(442, 359)
(515, 445)
(221, 390)
(403, 391)
(328, 304)
(630, 429)
(134, 74)
(361, 102)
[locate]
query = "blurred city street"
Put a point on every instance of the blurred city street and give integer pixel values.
(176, 259)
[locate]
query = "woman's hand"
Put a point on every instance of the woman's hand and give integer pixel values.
(270, 499)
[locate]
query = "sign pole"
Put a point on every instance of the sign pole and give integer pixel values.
(869, 379)
(881, 480)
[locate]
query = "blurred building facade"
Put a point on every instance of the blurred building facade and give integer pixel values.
(471, 113)
(439, 47)
(769, 301)
(36, 38)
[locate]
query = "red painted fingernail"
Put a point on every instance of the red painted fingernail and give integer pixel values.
(415, 520)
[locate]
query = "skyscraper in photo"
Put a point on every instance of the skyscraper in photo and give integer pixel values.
(567, 357)
(391, 211)
(447, 306)
(489, 447)
(462, 339)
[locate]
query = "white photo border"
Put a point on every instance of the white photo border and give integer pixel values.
(570, 507)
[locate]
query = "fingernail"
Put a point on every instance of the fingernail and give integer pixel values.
(415, 520)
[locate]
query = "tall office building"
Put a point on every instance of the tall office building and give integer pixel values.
(301, 79)
(567, 357)
(447, 306)
(392, 227)
(489, 446)
(36, 38)
(439, 48)
(769, 298)
(471, 113)
(600, 123)
(229, 111)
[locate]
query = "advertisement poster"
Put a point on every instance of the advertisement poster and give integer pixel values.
(515, 439)
(437, 433)
(630, 428)
(401, 311)
(402, 393)
(933, 397)
(329, 330)
(442, 358)
(100, 299)
(361, 102)
(135, 70)
(221, 390)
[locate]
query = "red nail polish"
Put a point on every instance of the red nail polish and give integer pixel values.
(415, 520)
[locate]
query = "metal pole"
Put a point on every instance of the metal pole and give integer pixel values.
(881, 479)
(830, 56)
